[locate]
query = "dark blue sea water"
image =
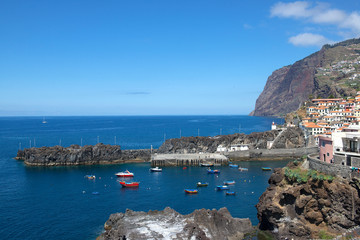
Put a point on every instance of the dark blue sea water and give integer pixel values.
(57, 202)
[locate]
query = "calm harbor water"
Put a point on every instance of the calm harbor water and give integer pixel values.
(57, 202)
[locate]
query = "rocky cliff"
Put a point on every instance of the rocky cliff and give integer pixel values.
(303, 205)
(289, 138)
(77, 155)
(332, 71)
(168, 224)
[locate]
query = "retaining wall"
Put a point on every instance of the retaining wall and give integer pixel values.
(271, 154)
(330, 168)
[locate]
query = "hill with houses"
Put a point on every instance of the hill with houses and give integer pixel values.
(332, 71)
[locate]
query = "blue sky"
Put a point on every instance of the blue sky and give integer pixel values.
(156, 57)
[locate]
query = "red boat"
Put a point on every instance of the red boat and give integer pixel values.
(125, 174)
(191, 191)
(129, 184)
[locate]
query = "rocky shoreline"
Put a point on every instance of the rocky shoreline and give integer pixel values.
(303, 204)
(201, 224)
(77, 155)
(285, 142)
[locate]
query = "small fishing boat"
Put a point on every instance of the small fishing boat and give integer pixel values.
(129, 184)
(242, 169)
(125, 174)
(206, 164)
(222, 187)
(91, 177)
(233, 165)
(229, 182)
(266, 168)
(202, 184)
(191, 191)
(230, 193)
(156, 169)
(213, 171)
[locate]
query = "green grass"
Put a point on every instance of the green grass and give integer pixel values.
(302, 176)
(325, 235)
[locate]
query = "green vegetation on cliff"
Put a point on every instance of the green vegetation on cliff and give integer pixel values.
(332, 71)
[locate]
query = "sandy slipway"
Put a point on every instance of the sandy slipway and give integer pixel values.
(168, 224)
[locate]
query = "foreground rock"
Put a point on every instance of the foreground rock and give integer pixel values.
(313, 208)
(168, 224)
(77, 155)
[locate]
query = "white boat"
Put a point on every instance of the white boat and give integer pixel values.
(156, 169)
(44, 121)
(125, 174)
(241, 169)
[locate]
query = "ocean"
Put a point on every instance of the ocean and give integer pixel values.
(58, 202)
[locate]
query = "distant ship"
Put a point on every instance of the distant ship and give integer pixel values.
(44, 121)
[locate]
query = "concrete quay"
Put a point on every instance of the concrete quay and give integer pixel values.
(189, 159)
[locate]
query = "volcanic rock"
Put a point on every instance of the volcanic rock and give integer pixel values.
(202, 224)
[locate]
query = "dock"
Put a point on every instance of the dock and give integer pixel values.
(189, 159)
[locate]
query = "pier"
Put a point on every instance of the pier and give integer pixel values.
(190, 159)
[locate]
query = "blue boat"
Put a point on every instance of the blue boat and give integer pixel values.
(222, 187)
(233, 165)
(213, 170)
(230, 193)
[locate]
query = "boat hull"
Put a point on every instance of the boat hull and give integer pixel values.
(200, 184)
(266, 169)
(129, 184)
(191, 191)
(229, 182)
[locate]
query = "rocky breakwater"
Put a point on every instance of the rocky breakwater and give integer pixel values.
(168, 224)
(292, 137)
(77, 155)
(304, 204)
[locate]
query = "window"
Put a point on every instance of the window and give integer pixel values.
(327, 154)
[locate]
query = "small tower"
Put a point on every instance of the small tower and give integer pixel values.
(273, 126)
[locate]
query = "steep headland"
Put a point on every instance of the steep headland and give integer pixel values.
(304, 204)
(332, 71)
(168, 224)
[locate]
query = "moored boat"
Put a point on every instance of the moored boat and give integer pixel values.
(266, 168)
(230, 193)
(206, 164)
(229, 182)
(233, 165)
(156, 169)
(202, 184)
(241, 169)
(213, 171)
(91, 177)
(191, 191)
(222, 187)
(125, 174)
(129, 184)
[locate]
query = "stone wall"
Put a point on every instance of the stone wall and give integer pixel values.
(329, 168)
(271, 154)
